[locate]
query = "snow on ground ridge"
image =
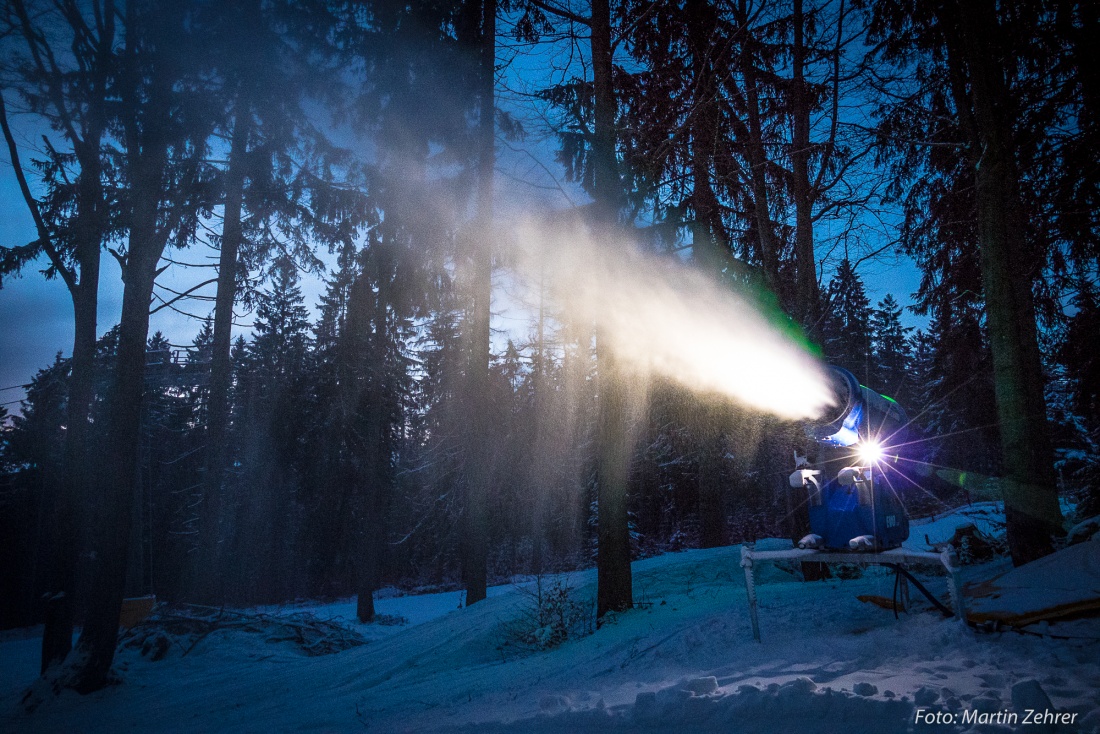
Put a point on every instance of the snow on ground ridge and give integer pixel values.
(684, 662)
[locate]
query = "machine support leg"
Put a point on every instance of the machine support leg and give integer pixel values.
(903, 593)
(954, 588)
(750, 587)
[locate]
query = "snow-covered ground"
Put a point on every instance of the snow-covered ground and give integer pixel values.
(684, 661)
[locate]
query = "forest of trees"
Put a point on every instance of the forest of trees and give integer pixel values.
(396, 432)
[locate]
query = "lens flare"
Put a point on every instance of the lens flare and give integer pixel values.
(870, 452)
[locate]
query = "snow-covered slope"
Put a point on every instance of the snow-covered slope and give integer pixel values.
(1062, 584)
(684, 661)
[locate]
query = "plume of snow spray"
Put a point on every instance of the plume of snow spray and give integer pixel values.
(663, 317)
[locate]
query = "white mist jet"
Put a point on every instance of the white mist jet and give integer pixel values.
(661, 316)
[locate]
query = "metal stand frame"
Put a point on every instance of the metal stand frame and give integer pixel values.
(898, 556)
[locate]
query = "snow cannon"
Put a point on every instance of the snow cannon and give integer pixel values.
(858, 509)
(860, 415)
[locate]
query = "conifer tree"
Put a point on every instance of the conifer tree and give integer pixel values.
(266, 518)
(163, 131)
(65, 54)
(847, 335)
(279, 347)
(890, 350)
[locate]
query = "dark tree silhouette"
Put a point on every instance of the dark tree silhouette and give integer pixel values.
(64, 67)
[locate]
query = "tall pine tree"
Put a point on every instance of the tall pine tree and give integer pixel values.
(847, 334)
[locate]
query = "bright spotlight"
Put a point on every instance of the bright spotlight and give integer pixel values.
(870, 452)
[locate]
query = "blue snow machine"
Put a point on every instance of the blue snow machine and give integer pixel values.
(858, 509)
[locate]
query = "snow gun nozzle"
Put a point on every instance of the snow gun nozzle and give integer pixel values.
(858, 418)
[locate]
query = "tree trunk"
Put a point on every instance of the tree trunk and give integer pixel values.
(83, 285)
(372, 493)
(541, 465)
(57, 634)
(58, 631)
(479, 462)
(613, 574)
(808, 298)
(376, 491)
(712, 490)
(373, 496)
(117, 483)
(208, 575)
(1031, 497)
(614, 583)
(757, 158)
(709, 246)
(116, 479)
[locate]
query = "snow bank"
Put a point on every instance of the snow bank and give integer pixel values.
(1061, 584)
